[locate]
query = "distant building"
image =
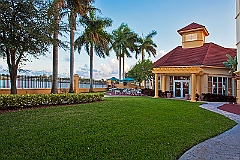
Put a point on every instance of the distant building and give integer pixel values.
(194, 67)
(238, 46)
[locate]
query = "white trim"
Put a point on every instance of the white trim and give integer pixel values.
(174, 87)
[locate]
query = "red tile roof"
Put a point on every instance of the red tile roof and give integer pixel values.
(209, 54)
(191, 26)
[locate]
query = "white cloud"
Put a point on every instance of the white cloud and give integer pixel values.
(159, 55)
(67, 59)
(46, 57)
(126, 67)
(3, 70)
(36, 72)
(41, 72)
(83, 71)
(104, 70)
(162, 53)
(114, 63)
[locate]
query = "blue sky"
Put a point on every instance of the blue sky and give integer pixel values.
(142, 16)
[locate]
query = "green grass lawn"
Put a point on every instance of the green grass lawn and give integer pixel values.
(117, 128)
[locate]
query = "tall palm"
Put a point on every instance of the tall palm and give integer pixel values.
(147, 44)
(124, 42)
(76, 7)
(55, 10)
(94, 38)
(72, 25)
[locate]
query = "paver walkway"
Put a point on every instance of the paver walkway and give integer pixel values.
(223, 147)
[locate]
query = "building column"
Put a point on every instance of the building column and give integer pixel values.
(238, 92)
(163, 83)
(75, 84)
(193, 94)
(199, 86)
(156, 85)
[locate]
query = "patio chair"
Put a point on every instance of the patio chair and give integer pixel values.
(128, 92)
(124, 91)
(139, 92)
(133, 92)
(117, 91)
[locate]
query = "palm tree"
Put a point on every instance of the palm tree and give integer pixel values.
(72, 25)
(55, 9)
(80, 7)
(147, 44)
(94, 38)
(75, 7)
(124, 42)
(231, 64)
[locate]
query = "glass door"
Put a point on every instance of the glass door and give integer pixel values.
(178, 87)
(181, 88)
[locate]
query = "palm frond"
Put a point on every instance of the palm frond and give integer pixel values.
(231, 64)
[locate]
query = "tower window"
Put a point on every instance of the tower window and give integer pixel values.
(191, 37)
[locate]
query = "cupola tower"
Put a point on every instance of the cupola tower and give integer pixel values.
(193, 35)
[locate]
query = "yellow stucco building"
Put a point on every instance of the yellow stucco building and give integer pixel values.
(194, 67)
(238, 46)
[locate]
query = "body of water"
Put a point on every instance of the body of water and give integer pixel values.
(45, 84)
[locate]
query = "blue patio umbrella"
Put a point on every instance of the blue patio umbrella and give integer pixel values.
(113, 79)
(128, 79)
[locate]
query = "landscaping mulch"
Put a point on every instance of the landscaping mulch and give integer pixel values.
(233, 108)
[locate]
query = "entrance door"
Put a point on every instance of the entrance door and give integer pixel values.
(181, 88)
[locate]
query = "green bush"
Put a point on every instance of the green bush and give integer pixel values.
(31, 100)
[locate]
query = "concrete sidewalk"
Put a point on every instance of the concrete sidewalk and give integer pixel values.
(222, 147)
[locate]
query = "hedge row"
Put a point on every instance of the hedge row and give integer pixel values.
(30, 100)
(217, 98)
(151, 92)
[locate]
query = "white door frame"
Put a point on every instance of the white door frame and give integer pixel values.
(181, 89)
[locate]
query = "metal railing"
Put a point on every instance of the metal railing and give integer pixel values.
(24, 81)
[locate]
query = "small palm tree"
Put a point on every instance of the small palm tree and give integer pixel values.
(94, 38)
(123, 43)
(231, 64)
(147, 44)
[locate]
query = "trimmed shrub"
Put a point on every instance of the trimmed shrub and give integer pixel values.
(218, 98)
(30, 100)
(151, 92)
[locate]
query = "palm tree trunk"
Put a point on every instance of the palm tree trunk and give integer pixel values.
(54, 89)
(123, 75)
(91, 69)
(143, 55)
(55, 66)
(71, 53)
(120, 67)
